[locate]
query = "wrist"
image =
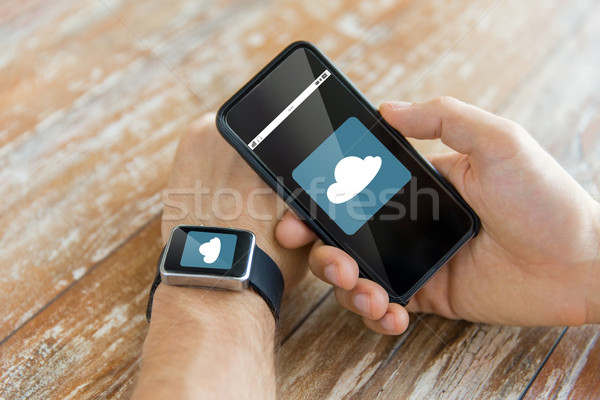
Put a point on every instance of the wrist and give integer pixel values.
(195, 305)
(199, 338)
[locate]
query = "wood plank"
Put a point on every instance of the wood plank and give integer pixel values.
(80, 152)
(332, 355)
(298, 303)
(560, 106)
(487, 362)
(87, 343)
(11, 8)
(573, 369)
(407, 52)
(88, 173)
(332, 349)
(481, 63)
(560, 103)
(92, 180)
(511, 376)
(71, 51)
(126, 131)
(97, 327)
(93, 176)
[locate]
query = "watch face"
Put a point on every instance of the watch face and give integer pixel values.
(198, 250)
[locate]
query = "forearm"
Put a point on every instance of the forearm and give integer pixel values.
(208, 344)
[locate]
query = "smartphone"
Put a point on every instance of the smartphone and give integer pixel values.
(357, 182)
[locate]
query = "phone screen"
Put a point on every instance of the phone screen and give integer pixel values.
(356, 178)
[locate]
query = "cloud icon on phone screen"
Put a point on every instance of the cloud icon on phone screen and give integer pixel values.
(352, 176)
(338, 172)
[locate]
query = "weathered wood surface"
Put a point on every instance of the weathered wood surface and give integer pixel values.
(92, 104)
(580, 350)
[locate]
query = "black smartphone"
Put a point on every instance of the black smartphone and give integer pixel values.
(357, 182)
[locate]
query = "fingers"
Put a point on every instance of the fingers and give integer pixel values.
(394, 321)
(371, 301)
(367, 299)
(463, 127)
(292, 233)
(333, 266)
(361, 296)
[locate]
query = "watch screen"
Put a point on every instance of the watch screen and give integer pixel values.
(209, 250)
(349, 172)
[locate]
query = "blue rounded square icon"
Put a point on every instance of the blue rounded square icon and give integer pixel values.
(208, 250)
(351, 175)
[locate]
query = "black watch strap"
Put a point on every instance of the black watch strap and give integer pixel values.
(154, 286)
(265, 278)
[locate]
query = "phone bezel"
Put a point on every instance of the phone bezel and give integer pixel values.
(264, 172)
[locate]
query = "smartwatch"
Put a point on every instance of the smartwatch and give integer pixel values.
(222, 258)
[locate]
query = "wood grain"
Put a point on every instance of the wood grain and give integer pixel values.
(125, 129)
(573, 369)
(97, 326)
(333, 356)
(560, 102)
(92, 104)
(531, 346)
(99, 170)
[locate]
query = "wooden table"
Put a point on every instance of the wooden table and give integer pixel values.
(94, 95)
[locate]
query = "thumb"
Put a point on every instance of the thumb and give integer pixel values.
(467, 129)
(292, 233)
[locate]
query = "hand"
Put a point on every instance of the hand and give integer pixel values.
(535, 260)
(211, 185)
(216, 334)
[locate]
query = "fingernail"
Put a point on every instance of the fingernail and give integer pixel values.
(330, 273)
(361, 301)
(392, 105)
(387, 322)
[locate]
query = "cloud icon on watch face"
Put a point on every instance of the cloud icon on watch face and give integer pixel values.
(210, 250)
(352, 176)
(204, 249)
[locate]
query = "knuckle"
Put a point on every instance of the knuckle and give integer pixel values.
(514, 138)
(445, 102)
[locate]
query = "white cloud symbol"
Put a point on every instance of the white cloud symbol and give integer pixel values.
(352, 175)
(210, 250)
